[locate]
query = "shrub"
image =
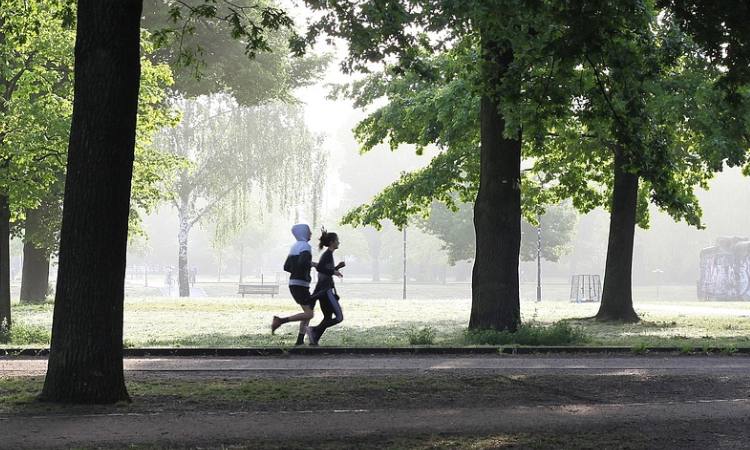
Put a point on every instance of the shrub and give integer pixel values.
(729, 350)
(559, 333)
(4, 332)
(639, 348)
(421, 336)
(23, 334)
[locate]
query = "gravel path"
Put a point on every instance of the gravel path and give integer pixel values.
(499, 363)
(211, 428)
(595, 402)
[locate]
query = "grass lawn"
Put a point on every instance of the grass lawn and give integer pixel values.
(432, 316)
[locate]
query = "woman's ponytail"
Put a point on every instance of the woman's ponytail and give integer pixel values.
(323, 241)
(326, 238)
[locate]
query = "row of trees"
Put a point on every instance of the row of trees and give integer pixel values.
(90, 139)
(585, 72)
(37, 45)
(246, 146)
(614, 104)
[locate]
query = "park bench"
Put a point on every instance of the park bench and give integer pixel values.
(263, 289)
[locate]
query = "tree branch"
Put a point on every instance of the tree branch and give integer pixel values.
(10, 87)
(212, 205)
(600, 84)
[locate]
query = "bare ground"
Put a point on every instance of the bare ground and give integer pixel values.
(403, 402)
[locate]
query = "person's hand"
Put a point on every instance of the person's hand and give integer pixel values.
(338, 274)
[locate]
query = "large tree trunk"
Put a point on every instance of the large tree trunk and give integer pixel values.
(617, 296)
(35, 272)
(183, 274)
(497, 211)
(5, 317)
(85, 362)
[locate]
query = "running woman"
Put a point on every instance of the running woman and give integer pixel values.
(298, 265)
(325, 289)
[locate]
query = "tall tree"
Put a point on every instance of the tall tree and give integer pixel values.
(667, 142)
(39, 165)
(35, 47)
(650, 125)
(411, 31)
(233, 151)
(85, 363)
(41, 227)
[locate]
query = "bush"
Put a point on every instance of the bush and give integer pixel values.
(24, 334)
(4, 332)
(729, 350)
(421, 336)
(559, 333)
(639, 348)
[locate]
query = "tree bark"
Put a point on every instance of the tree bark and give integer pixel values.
(5, 313)
(242, 260)
(183, 274)
(617, 295)
(35, 271)
(497, 210)
(85, 362)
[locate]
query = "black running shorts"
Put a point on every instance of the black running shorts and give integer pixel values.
(301, 295)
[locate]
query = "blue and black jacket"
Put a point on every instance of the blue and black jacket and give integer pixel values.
(299, 260)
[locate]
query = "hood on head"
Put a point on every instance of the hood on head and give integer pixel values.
(301, 232)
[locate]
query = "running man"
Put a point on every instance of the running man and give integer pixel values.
(298, 264)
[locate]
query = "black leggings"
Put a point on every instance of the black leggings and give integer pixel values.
(329, 305)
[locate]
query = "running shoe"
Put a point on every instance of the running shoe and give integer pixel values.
(275, 323)
(312, 338)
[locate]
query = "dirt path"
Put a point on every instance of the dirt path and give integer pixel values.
(376, 363)
(367, 402)
(212, 428)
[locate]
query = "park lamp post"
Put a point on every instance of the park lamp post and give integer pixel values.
(404, 291)
(538, 242)
(657, 274)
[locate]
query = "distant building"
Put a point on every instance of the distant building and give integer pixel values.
(725, 270)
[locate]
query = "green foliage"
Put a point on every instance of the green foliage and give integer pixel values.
(35, 116)
(531, 333)
(239, 160)
(639, 348)
(720, 28)
(455, 228)
(645, 91)
(23, 334)
(241, 47)
(421, 336)
(35, 106)
(153, 168)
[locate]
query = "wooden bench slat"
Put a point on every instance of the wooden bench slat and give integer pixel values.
(271, 289)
